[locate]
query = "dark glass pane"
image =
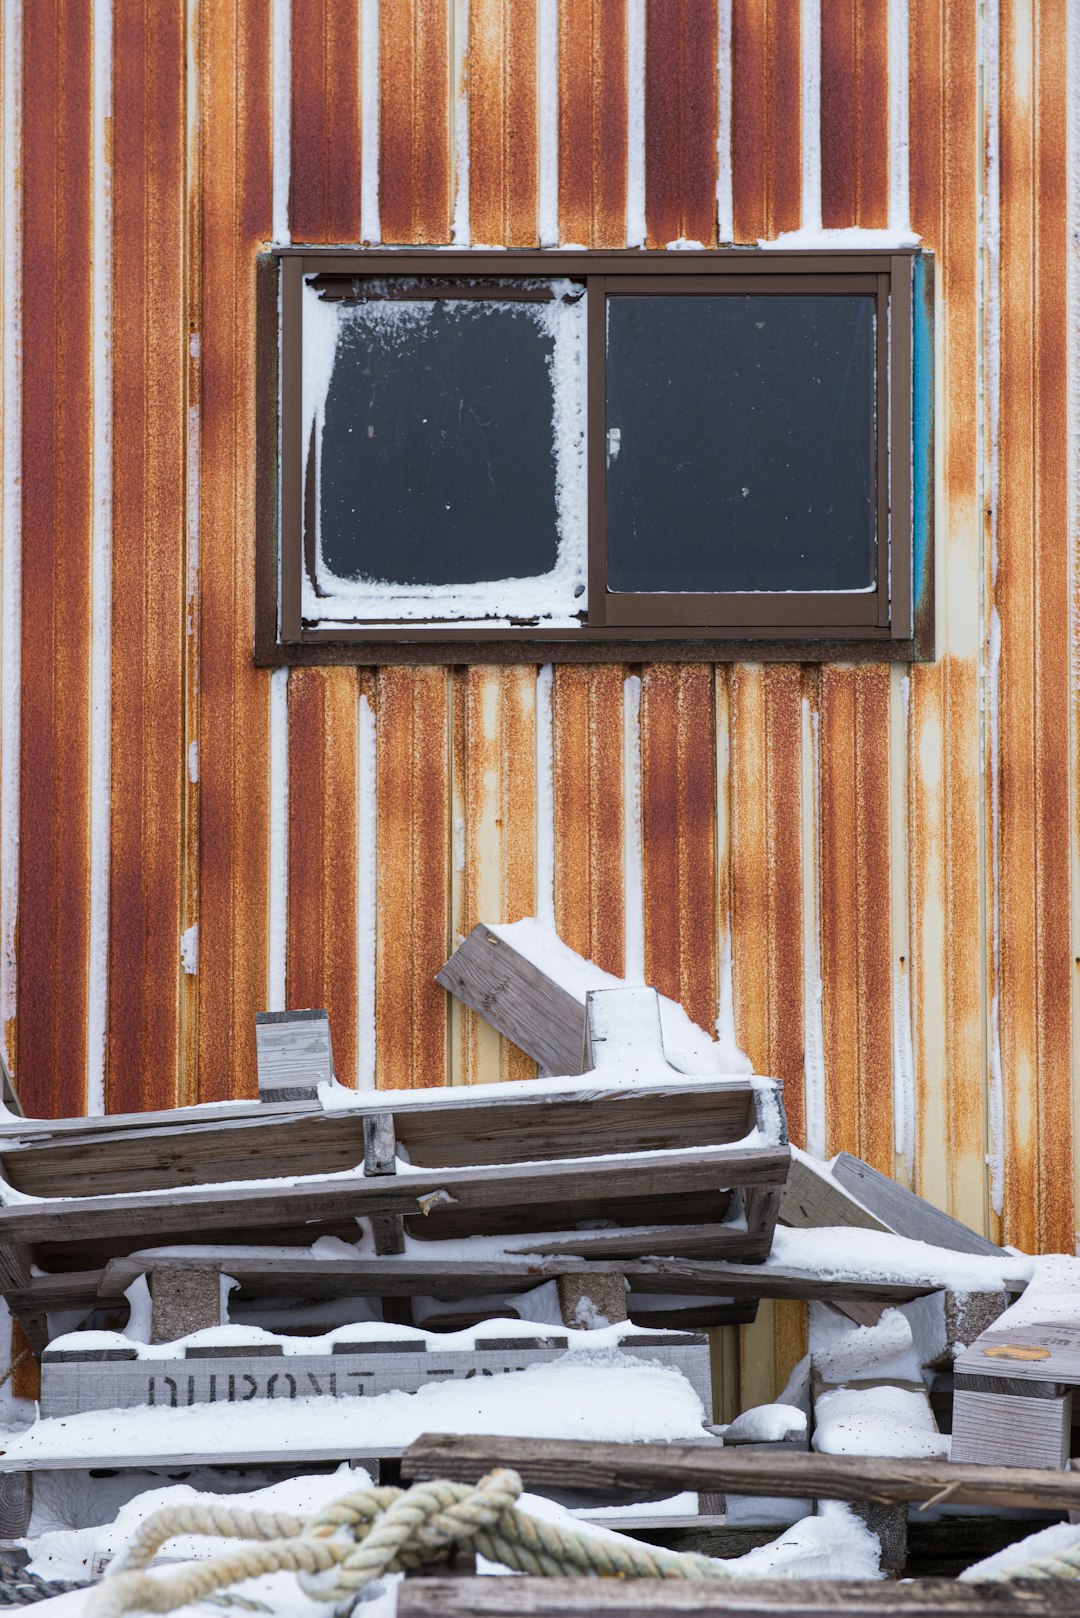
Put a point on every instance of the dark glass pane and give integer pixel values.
(437, 462)
(741, 443)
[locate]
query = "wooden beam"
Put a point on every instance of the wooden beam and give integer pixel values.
(905, 1213)
(548, 1463)
(514, 996)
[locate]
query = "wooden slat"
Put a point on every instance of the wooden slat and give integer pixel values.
(906, 1213)
(518, 999)
(673, 1598)
(592, 122)
(234, 774)
(413, 897)
(497, 754)
(587, 709)
(414, 134)
(1032, 596)
(766, 129)
(812, 1198)
(856, 947)
(321, 958)
(503, 124)
(793, 1474)
(680, 121)
(678, 835)
(766, 866)
(149, 567)
(324, 173)
(57, 432)
(947, 779)
(855, 114)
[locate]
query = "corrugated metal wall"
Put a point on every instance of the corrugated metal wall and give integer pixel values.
(875, 871)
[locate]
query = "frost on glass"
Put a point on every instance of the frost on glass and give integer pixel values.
(741, 444)
(446, 441)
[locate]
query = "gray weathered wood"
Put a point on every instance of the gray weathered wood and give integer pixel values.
(542, 1019)
(1000, 1429)
(549, 1462)
(380, 1157)
(293, 1054)
(680, 1598)
(667, 1313)
(1026, 1353)
(812, 1199)
(16, 1500)
(904, 1212)
(15, 1281)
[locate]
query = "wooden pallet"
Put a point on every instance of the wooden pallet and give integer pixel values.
(1013, 1396)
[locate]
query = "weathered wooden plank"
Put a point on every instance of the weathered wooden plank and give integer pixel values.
(812, 1198)
(904, 1212)
(548, 1462)
(294, 1054)
(1004, 1429)
(380, 1157)
(1049, 1353)
(518, 999)
(674, 1598)
(15, 1279)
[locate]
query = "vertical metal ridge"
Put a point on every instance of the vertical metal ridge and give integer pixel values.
(503, 122)
(766, 122)
(856, 911)
(1032, 599)
(592, 122)
(766, 862)
(414, 136)
(413, 886)
(57, 558)
(11, 24)
(149, 568)
(324, 175)
(321, 951)
(854, 114)
(946, 836)
(680, 121)
(587, 707)
(237, 214)
(678, 835)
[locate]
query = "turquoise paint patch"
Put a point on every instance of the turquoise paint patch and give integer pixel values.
(922, 429)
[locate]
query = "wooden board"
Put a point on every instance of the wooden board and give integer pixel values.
(514, 996)
(1025, 1354)
(1001, 1429)
(678, 1598)
(547, 1463)
(293, 1054)
(812, 1198)
(904, 1212)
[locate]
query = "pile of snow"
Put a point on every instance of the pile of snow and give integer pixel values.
(1048, 1541)
(897, 1348)
(840, 1254)
(766, 1424)
(877, 1421)
(1052, 1294)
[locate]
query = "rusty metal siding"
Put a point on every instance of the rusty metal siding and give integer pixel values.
(907, 837)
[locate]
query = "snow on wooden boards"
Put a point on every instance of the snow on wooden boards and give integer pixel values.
(904, 1212)
(710, 1598)
(100, 1379)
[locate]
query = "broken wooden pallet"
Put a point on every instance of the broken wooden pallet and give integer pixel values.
(1013, 1396)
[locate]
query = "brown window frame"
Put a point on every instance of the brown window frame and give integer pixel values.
(809, 626)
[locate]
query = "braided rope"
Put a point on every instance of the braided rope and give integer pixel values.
(363, 1535)
(1062, 1564)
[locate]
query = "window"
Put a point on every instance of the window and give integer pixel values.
(587, 450)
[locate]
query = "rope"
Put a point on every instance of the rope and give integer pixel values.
(1061, 1564)
(14, 1366)
(361, 1536)
(18, 1586)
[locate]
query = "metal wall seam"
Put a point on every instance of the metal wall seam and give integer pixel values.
(587, 705)
(814, 1074)
(678, 836)
(495, 838)
(767, 876)
(766, 119)
(856, 946)
(366, 827)
(413, 879)
(149, 570)
(460, 233)
(680, 122)
(903, 1074)
(11, 23)
(321, 959)
(57, 558)
(592, 123)
(324, 173)
(503, 122)
(854, 114)
(415, 96)
(725, 228)
(189, 920)
(946, 831)
(1032, 599)
(633, 857)
(1072, 101)
(236, 136)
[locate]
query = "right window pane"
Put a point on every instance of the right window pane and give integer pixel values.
(741, 443)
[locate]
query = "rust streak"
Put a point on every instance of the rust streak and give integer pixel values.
(855, 114)
(149, 569)
(414, 136)
(680, 121)
(503, 146)
(592, 122)
(766, 130)
(321, 961)
(678, 834)
(412, 875)
(233, 696)
(54, 865)
(587, 711)
(324, 177)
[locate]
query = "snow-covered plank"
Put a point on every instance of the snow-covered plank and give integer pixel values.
(902, 1210)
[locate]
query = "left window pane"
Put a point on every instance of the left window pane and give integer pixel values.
(444, 455)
